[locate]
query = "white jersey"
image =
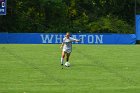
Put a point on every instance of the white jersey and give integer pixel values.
(68, 44)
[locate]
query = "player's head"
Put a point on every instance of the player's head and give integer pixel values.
(68, 34)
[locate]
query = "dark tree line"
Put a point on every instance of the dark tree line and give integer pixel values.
(94, 16)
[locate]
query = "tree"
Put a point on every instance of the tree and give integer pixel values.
(69, 15)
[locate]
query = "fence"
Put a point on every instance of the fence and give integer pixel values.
(55, 38)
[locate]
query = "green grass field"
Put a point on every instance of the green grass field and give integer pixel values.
(94, 69)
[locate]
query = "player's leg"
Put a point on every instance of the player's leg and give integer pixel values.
(68, 56)
(62, 57)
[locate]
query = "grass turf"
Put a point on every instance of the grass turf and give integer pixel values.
(94, 69)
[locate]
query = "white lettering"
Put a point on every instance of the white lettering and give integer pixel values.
(90, 39)
(58, 38)
(47, 38)
(99, 39)
(82, 38)
(3, 4)
(1, 10)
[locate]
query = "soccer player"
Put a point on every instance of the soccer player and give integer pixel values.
(67, 47)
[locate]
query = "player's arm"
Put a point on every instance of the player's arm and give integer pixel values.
(76, 40)
(62, 45)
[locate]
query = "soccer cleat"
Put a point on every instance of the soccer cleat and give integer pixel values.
(61, 64)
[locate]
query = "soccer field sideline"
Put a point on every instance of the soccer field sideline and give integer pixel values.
(89, 70)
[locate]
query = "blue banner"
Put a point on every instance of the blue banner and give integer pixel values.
(41, 38)
(138, 27)
(3, 7)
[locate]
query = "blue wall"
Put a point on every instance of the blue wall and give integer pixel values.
(41, 38)
(138, 27)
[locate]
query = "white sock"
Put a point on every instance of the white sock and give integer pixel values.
(62, 60)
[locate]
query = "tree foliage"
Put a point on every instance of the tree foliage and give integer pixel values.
(95, 16)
